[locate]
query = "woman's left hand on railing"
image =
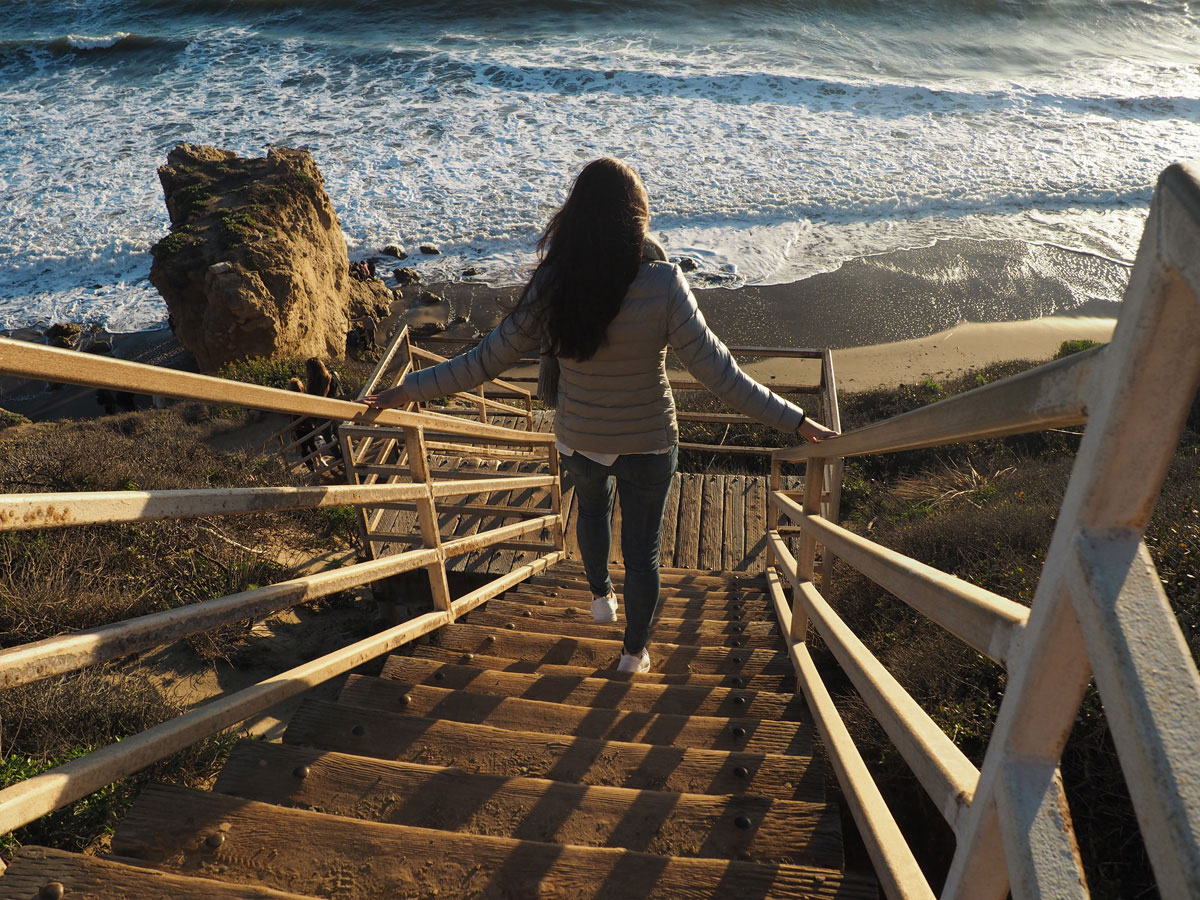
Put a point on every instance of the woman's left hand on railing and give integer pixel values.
(392, 397)
(812, 430)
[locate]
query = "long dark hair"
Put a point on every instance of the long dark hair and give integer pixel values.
(590, 253)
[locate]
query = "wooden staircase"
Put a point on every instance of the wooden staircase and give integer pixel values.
(508, 758)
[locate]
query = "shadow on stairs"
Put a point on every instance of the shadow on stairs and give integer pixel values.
(508, 758)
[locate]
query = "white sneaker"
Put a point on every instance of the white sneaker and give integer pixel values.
(631, 662)
(604, 609)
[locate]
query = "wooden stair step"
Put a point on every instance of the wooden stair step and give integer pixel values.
(572, 571)
(709, 609)
(291, 849)
(710, 596)
(715, 596)
(781, 683)
(750, 827)
(707, 732)
(483, 748)
(92, 878)
(763, 637)
(582, 613)
(547, 648)
(631, 696)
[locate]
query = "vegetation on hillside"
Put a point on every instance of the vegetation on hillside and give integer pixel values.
(65, 579)
(985, 512)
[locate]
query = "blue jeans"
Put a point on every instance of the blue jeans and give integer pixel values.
(642, 483)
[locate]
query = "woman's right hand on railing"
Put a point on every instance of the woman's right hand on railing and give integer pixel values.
(392, 397)
(812, 430)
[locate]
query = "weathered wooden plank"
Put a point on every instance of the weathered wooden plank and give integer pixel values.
(598, 653)
(678, 577)
(482, 748)
(784, 683)
(759, 635)
(536, 809)
(687, 538)
(756, 521)
(732, 608)
(556, 586)
(82, 877)
(712, 522)
(274, 846)
(733, 543)
(716, 628)
(601, 693)
(92, 370)
(516, 714)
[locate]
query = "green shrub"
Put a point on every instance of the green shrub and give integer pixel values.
(1069, 348)
(275, 373)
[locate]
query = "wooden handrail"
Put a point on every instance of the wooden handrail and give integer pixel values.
(1137, 411)
(943, 770)
(68, 366)
(69, 652)
(1051, 396)
(495, 588)
(473, 542)
(985, 620)
(895, 866)
(434, 429)
(21, 512)
(30, 799)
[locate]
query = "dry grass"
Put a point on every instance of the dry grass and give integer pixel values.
(69, 578)
(985, 512)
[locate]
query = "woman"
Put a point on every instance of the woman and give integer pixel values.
(607, 313)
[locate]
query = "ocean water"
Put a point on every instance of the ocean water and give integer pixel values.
(777, 139)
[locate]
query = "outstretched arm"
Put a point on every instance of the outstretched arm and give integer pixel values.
(710, 361)
(515, 336)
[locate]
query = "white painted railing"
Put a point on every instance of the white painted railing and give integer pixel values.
(1099, 611)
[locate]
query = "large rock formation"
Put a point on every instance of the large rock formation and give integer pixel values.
(255, 264)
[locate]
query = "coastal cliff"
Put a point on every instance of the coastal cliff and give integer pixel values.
(255, 264)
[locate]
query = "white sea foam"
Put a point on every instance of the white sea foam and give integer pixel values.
(780, 157)
(81, 42)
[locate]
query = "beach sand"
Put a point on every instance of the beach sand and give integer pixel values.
(890, 319)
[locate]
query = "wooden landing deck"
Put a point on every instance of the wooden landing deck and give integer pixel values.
(532, 771)
(713, 522)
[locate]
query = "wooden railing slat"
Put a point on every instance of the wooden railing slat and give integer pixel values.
(1055, 395)
(29, 360)
(943, 770)
(899, 875)
(28, 800)
(69, 652)
(986, 621)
